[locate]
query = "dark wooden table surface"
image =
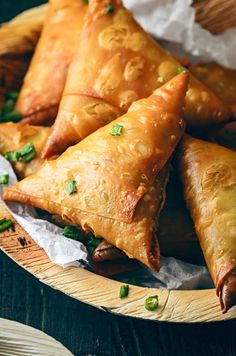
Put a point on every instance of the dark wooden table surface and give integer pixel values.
(87, 331)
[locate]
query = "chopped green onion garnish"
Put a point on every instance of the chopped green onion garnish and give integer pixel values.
(71, 187)
(5, 224)
(12, 95)
(110, 9)
(27, 153)
(151, 303)
(12, 156)
(28, 148)
(124, 291)
(117, 130)
(85, 2)
(7, 112)
(4, 178)
(160, 79)
(13, 116)
(73, 232)
(181, 69)
(8, 107)
(92, 243)
(27, 158)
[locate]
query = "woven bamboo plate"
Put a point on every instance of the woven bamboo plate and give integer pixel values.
(175, 306)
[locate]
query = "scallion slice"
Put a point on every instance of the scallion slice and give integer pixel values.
(72, 232)
(92, 243)
(12, 156)
(117, 130)
(124, 291)
(12, 95)
(110, 8)
(152, 303)
(71, 187)
(181, 69)
(5, 224)
(4, 178)
(26, 153)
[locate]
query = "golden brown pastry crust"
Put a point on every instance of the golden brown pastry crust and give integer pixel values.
(120, 179)
(175, 231)
(118, 63)
(208, 173)
(44, 82)
(222, 81)
(17, 42)
(15, 136)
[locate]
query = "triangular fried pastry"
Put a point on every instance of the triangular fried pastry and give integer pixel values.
(175, 231)
(45, 80)
(112, 183)
(15, 136)
(117, 63)
(222, 81)
(209, 177)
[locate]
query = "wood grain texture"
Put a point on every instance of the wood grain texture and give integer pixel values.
(216, 16)
(98, 291)
(175, 306)
(16, 338)
(85, 330)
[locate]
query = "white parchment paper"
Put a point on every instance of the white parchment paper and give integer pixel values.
(174, 20)
(174, 274)
(60, 249)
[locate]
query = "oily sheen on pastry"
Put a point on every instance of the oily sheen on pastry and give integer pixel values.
(175, 231)
(112, 183)
(15, 136)
(44, 82)
(222, 81)
(117, 63)
(208, 173)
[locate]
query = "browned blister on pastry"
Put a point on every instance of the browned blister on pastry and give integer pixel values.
(117, 63)
(222, 81)
(15, 136)
(45, 80)
(118, 173)
(208, 173)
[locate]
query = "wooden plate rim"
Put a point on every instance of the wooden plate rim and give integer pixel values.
(175, 305)
(188, 306)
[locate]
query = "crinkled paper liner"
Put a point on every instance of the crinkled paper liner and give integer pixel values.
(173, 21)
(174, 274)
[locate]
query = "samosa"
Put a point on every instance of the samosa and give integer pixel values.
(15, 136)
(175, 231)
(112, 183)
(117, 63)
(45, 80)
(208, 173)
(222, 81)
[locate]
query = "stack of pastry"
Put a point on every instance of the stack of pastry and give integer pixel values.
(121, 105)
